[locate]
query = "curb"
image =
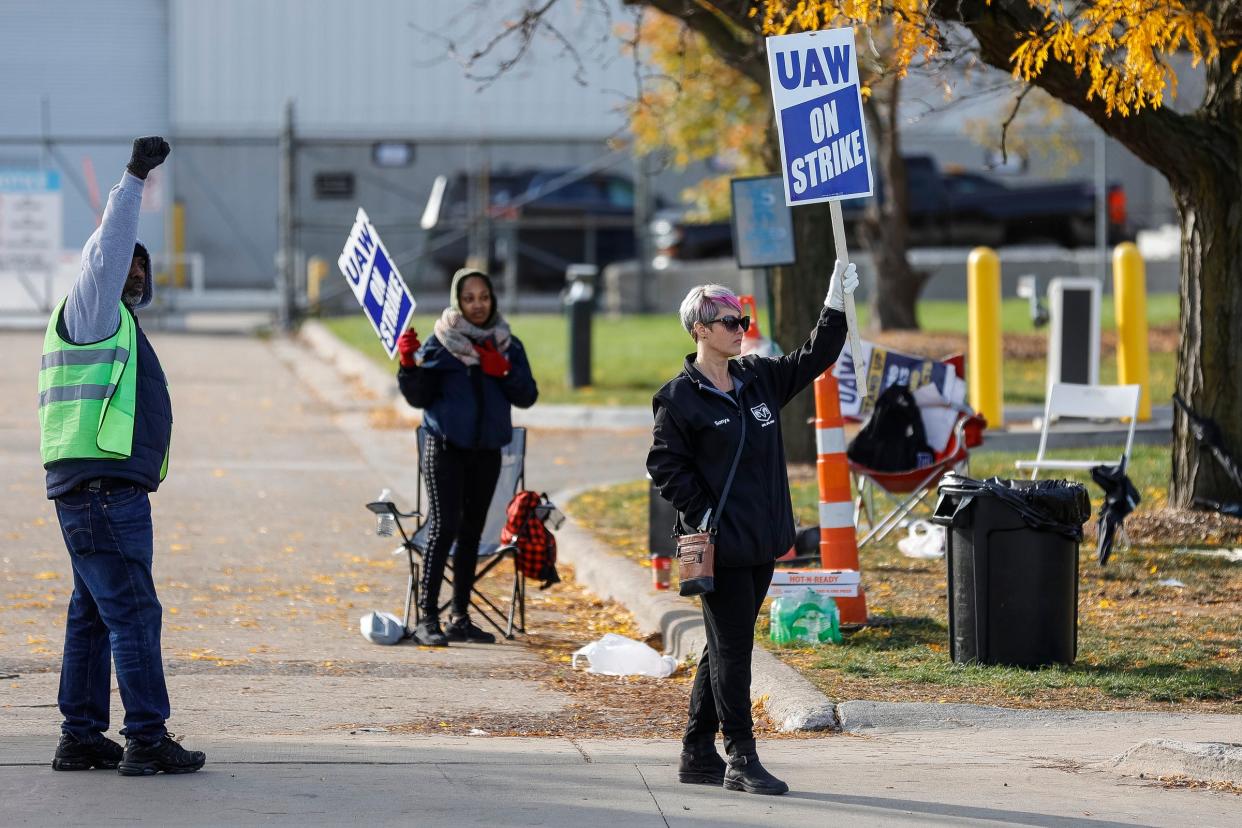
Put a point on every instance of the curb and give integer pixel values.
(791, 701)
(1205, 761)
(352, 364)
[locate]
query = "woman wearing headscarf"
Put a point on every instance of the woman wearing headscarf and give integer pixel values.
(718, 408)
(466, 377)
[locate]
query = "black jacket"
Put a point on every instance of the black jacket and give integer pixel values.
(696, 434)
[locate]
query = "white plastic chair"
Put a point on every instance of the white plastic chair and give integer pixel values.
(1092, 402)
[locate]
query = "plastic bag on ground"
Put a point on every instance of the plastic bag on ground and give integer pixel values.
(807, 617)
(925, 541)
(381, 628)
(616, 655)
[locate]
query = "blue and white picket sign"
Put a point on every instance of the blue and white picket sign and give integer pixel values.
(377, 285)
(819, 117)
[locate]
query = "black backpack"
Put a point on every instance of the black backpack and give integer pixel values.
(893, 440)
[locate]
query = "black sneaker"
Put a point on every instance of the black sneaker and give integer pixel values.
(428, 633)
(745, 773)
(463, 629)
(73, 754)
(166, 755)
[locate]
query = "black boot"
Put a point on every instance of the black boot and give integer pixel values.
(73, 754)
(700, 765)
(746, 774)
(428, 633)
(165, 755)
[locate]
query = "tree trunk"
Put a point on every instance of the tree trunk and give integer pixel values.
(1209, 360)
(886, 227)
(1201, 156)
(799, 291)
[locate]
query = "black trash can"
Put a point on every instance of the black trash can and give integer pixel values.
(1013, 569)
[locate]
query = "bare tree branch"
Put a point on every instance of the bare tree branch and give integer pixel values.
(1013, 113)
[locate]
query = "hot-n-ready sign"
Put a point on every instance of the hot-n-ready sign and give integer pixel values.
(819, 118)
(377, 285)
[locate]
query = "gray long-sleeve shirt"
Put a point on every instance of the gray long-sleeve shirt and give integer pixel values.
(91, 309)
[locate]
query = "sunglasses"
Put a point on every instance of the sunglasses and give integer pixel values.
(732, 323)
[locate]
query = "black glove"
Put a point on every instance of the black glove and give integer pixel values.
(148, 154)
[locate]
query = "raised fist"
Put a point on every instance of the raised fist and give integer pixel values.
(148, 154)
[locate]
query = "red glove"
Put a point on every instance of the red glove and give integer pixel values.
(491, 360)
(407, 344)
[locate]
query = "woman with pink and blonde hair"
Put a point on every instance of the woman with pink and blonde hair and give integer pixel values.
(716, 404)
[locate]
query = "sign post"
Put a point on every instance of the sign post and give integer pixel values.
(376, 284)
(823, 135)
(824, 157)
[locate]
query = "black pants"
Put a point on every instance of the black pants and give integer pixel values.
(720, 698)
(460, 483)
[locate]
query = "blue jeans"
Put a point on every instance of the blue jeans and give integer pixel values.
(114, 614)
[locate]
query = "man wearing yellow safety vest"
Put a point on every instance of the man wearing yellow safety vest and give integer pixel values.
(105, 423)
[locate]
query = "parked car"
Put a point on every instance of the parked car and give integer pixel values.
(946, 209)
(561, 218)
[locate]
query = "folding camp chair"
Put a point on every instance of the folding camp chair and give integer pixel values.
(491, 552)
(911, 487)
(1092, 402)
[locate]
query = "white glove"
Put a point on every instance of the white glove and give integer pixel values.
(844, 283)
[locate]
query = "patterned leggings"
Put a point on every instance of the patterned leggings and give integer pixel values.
(460, 483)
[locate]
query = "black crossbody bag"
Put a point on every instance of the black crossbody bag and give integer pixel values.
(696, 553)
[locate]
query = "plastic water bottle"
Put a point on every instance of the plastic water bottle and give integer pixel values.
(385, 523)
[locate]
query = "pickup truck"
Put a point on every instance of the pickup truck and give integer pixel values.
(946, 209)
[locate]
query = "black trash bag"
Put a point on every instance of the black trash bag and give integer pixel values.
(1120, 498)
(1058, 506)
(893, 440)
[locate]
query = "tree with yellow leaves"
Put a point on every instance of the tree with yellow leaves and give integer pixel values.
(1112, 60)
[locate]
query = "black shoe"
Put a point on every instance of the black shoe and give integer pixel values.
(99, 752)
(166, 755)
(701, 766)
(744, 773)
(463, 629)
(428, 633)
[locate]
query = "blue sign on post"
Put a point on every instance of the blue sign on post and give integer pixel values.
(376, 284)
(823, 137)
(762, 222)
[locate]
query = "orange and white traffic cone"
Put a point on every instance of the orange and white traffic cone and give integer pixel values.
(838, 543)
(753, 341)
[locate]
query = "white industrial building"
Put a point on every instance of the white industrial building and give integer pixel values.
(83, 77)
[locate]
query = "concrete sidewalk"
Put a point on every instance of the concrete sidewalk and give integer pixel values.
(1045, 777)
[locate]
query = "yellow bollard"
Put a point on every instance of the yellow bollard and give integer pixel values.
(1130, 302)
(983, 299)
(178, 243)
(316, 272)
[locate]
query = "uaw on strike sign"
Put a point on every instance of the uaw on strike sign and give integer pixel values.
(377, 285)
(819, 118)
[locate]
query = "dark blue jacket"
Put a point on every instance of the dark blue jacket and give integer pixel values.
(462, 404)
